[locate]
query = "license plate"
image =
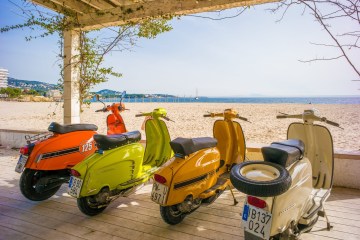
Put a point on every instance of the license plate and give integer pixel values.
(75, 186)
(159, 193)
(21, 163)
(256, 221)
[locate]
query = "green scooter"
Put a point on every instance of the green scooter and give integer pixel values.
(120, 165)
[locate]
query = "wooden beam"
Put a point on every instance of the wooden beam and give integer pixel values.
(138, 11)
(76, 6)
(53, 6)
(98, 4)
(128, 2)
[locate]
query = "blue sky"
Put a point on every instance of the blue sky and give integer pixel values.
(250, 55)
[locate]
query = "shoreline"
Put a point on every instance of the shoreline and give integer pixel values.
(189, 121)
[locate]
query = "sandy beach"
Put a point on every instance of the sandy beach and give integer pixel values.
(189, 121)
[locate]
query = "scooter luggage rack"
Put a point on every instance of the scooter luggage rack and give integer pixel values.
(38, 137)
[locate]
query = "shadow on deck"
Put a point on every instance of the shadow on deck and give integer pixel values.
(137, 217)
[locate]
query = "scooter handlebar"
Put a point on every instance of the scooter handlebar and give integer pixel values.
(242, 118)
(207, 115)
(284, 115)
(139, 115)
(330, 122)
(101, 110)
(167, 119)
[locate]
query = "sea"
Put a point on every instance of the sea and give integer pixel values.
(303, 100)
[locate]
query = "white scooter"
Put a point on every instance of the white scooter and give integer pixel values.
(286, 191)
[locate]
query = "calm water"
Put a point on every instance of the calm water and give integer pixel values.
(306, 100)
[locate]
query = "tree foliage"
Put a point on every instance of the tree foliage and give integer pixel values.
(93, 49)
(11, 92)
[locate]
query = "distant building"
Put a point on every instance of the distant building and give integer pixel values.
(3, 78)
(54, 94)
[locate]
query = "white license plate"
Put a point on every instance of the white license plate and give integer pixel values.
(75, 186)
(159, 193)
(21, 163)
(256, 221)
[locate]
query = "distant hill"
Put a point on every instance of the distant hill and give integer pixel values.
(106, 92)
(26, 84)
(44, 87)
(111, 93)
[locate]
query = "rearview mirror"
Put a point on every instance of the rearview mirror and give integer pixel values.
(122, 95)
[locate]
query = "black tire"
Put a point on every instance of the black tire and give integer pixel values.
(171, 215)
(84, 204)
(28, 180)
(270, 188)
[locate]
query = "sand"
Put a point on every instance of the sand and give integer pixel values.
(189, 121)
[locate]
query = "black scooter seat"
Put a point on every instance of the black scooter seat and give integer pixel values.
(62, 129)
(185, 146)
(107, 142)
(284, 153)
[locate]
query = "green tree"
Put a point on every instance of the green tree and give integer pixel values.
(11, 92)
(93, 49)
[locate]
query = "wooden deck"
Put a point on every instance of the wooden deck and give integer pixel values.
(136, 217)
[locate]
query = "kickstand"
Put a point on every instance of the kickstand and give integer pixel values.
(235, 201)
(323, 214)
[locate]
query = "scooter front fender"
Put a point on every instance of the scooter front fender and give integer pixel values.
(110, 168)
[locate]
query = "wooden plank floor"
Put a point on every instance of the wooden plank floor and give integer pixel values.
(136, 217)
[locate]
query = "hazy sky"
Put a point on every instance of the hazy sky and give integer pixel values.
(249, 55)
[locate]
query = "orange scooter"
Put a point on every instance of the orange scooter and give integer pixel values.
(114, 121)
(47, 158)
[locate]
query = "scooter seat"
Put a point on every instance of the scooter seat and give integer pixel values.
(62, 129)
(107, 142)
(185, 146)
(284, 153)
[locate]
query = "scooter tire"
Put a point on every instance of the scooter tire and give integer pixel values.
(84, 206)
(27, 183)
(168, 215)
(258, 188)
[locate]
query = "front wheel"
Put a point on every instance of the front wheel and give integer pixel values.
(88, 206)
(28, 180)
(171, 215)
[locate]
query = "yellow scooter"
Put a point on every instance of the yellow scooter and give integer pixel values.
(199, 171)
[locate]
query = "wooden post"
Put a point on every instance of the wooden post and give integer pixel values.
(71, 77)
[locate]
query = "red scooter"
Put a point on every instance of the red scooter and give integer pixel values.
(47, 158)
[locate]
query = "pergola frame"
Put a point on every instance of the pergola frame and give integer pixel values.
(96, 14)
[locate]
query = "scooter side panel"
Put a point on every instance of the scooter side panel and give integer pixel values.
(110, 169)
(291, 205)
(190, 176)
(231, 141)
(62, 151)
(158, 149)
(320, 153)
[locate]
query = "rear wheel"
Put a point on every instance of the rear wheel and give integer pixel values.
(259, 178)
(89, 206)
(28, 180)
(171, 215)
